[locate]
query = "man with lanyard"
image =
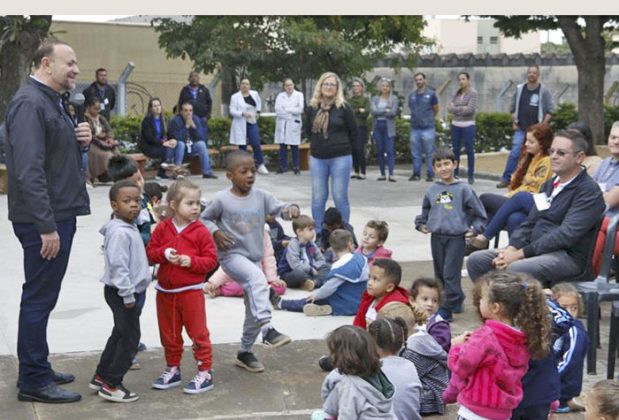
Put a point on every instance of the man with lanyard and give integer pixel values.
(423, 104)
(199, 96)
(47, 190)
(553, 243)
(101, 89)
(531, 104)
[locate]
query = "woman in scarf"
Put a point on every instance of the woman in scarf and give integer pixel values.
(332, 130)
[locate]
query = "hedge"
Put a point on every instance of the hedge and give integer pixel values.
(494, 130)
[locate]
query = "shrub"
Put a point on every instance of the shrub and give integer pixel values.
(127, 130)
(564, 115)
(218, 131)
(494, 131)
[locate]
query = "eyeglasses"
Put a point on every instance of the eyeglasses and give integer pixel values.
(329, 84)
(560, 152)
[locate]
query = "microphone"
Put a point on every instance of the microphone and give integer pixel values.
(78, 101)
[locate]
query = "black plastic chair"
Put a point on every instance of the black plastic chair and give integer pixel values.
(599, 290)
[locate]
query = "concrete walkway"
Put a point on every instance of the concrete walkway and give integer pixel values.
(290, 388)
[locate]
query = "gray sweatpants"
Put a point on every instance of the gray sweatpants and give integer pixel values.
(248, 274)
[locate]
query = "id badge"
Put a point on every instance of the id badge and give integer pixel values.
(106, 101)
(542, 202)
(102, 106)
(602, 186)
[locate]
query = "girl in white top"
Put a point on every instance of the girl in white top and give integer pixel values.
(288, 109)
(245, 107)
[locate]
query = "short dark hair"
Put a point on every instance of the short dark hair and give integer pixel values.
(99, 70)
(443, 153)
(353, 351)
(381, 227)
(91, 100)
(419, 74)
(302, 222)
(585, 130)
(185, 103)
(155, 189)
(118, 185)
(46, 49)
(426, 282)
(233, 158)
(339, 240)
(579, 143)
(332, 216)
(121, 167)
(393, 270)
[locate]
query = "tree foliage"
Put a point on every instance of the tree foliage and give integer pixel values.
(20, 36)
(269, 48)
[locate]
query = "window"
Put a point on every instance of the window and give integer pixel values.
(480, 40)
(494, 40)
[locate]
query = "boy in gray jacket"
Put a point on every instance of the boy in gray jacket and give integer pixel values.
(126, 277)
(450, 210)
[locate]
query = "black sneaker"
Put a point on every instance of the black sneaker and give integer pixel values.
(325, 364)
(297, 171)
(274, 339)
(502, 184)
(429, 178)
(209, 176)
(119, 394)
(274, 298)
(414, 177)
(248, 361)
(96, 383)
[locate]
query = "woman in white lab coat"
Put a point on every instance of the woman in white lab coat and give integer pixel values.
(288, 109)
(245, 106)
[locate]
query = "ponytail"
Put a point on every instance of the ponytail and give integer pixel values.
(533, 319)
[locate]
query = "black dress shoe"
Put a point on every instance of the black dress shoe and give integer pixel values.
(50, 394)
(60, 378)
(297, 171)
(209, 176)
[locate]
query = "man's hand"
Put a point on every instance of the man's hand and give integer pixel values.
(130, 305)
(424, 229)
(223, 240)
(50, 245)
(83, 134)
(189, 123)
(508, 256)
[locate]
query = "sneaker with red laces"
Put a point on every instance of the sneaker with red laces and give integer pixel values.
(96, 383)
(117, 394)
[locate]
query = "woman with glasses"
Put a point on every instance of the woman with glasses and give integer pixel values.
(384, 108)
(360, 104)
(508, 212)
(288, 109)
(332, 130)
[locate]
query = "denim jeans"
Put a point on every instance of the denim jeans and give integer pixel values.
(253, 140)
(384, 146)
(296, 305)
(167, 154)
(422, 142)
(39, 295)
(468, 135)
(197, 148)
(283, 157)
(337, 170)
(511, 214)
(514, 154)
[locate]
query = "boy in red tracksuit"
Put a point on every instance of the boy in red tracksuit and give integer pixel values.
(185, 250)
(383, 287)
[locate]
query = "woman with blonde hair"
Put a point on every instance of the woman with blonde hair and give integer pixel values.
(384, 108)
(332, 130)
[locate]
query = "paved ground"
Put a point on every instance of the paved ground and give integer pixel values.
(288, 389)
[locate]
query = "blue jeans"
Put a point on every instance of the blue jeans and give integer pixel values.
(39, 295)
(468, 135)
(338, 169)
(511, 214)
(253, 140)
(167, 154)
(283, 157)
(358, 150)
(197, 148)
(422, 142)
(384, 145)
(514, 154)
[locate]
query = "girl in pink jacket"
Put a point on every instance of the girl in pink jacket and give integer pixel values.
(487, 365)
(220, 284)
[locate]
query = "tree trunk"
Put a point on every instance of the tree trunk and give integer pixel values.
(588, 49)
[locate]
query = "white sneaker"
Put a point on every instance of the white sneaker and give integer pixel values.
(263, 170)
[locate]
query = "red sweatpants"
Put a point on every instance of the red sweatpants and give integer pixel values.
(178, 310)
(599, 246)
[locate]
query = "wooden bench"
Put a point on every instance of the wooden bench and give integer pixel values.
(194, 161)
(4, 179)
(304, 152)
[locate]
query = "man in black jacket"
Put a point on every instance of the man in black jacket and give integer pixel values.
(102, 90)
(553, 243)
(46, 192)
(197, 95)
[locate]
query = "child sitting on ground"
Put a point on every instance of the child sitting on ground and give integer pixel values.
(221, 284)
(390, 336)
(126, 278)
(156, 206)
(357, 388)
(426, 293)
(332, 221)
(346, 281)
(185, 252)
(570, 348)
(374, 236)
(236, 218)
(603, 401)
(487, 365)
(450, 208)
(303, 265)
(383, 287)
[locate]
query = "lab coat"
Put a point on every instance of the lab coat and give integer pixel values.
(238, 129)
(288, 110)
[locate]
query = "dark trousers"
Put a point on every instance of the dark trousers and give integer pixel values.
(296, 305)
(253, 140)
(447, 256)
(123, 342)
(511, 214)
(295, 278)
(535, 412)
(358, 150)
(40, 290)
(466, 134)
(283, 157)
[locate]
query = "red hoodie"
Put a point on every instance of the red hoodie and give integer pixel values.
(195, 241)
(486, 371)
(399, 294)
